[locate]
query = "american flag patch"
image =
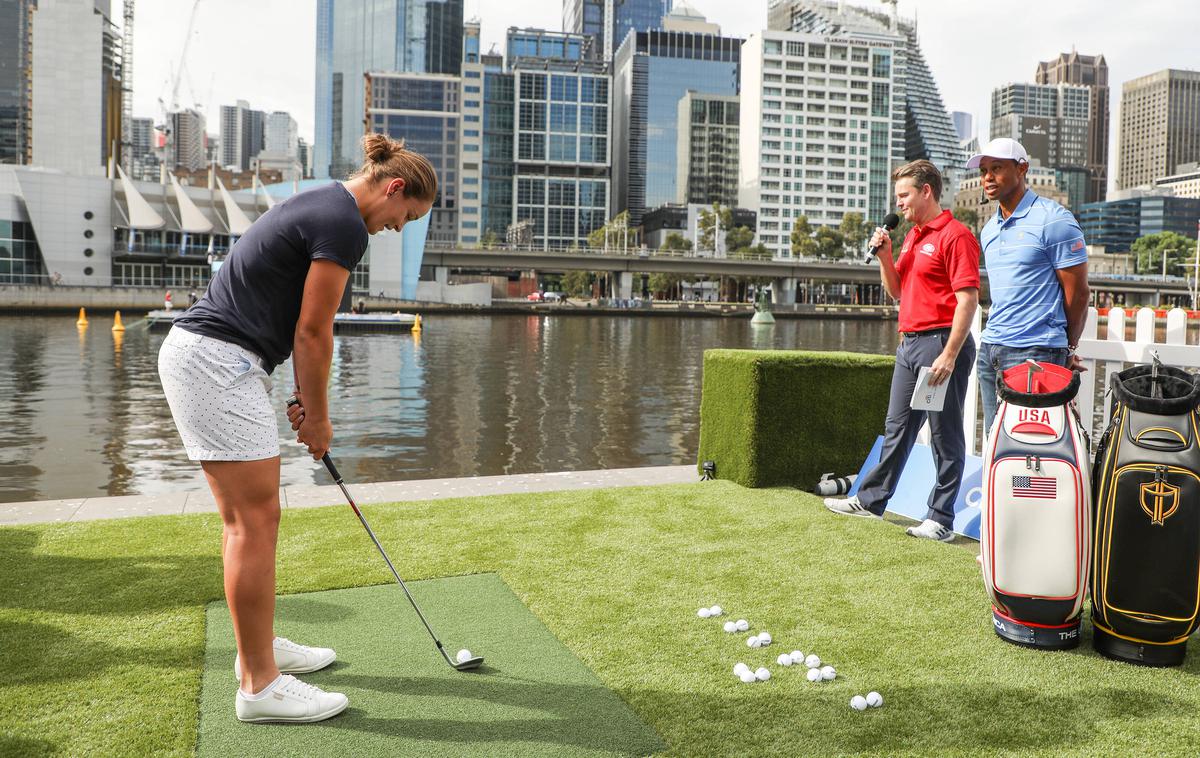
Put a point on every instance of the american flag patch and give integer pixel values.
(1077, 245)
(1035, 486)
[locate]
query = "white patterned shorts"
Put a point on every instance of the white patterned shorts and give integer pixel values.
(220, 398)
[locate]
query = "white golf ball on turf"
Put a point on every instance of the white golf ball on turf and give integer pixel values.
(828, 672)
(814, 675)
(715, 610)
(797, 656)
(764, 638)
(747, 676)
(731, 626)
(753, 641)
(784, 660)
(762, 675)
(743, 625)
(858, 703)
(463, 655)
(874, 699)
(740, 667)
(704, 613)
(812, 661)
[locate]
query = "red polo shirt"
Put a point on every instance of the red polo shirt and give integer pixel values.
(937, 260)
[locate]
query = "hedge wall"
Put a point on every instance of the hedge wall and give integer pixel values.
(782, 418)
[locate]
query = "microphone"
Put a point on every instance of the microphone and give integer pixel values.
(890, 222)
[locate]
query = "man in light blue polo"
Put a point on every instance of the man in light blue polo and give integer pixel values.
(1036, 263)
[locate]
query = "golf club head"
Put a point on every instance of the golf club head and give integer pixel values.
(469, 664)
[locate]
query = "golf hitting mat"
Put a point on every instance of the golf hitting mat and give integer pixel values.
(531, 697)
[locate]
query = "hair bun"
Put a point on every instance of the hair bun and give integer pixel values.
(379, 148)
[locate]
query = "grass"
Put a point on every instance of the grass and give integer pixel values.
(102, 625)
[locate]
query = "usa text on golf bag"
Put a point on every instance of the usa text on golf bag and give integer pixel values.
(1036, 525)
(1147, 544)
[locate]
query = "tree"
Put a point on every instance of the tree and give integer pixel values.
(757, 253)
(855, 231)
(490, 240)
(676, 242)
(830, 243)
(578, 283)
(662, 285)
(969, 217)
(739, 238)
(803, 244)
(707, 223)
(1151, 248)
(898, 234)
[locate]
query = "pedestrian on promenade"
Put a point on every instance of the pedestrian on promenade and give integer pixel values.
(1036, 262)
(167, 301)
(936, 280)
(276, 296)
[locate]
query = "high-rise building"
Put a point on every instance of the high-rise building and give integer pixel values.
(562, 123)
(1052, 122)
(471, 41)
(76, 86)
(821, 128)
(189, 142)
(964, 125)
(304, 152)
(424, 110)
(706, 161)
(1160, 126)
(495, 177)
(924, 129)
(354, 37)
(242, 135)
(652, 71)
(144, 160)
(15, 81)
(609, 21)
(1184, 183)
(1090, 71)
(1117, 223)
(281, 147)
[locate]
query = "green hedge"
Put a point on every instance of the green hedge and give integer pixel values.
(777, 417)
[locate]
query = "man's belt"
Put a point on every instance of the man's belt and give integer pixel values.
(941, 330)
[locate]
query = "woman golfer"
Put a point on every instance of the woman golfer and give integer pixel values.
(276, 295)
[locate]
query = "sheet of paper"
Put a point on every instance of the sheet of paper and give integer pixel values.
(926, 398)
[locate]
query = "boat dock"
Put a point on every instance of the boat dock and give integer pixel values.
(342, 322)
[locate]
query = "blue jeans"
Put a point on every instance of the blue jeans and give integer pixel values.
(1007, 357)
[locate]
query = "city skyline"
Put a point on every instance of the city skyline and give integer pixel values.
(276, 68)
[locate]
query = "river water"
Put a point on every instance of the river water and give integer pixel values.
(84, 415)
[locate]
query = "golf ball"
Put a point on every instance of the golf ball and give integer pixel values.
(828, 672)
(874, 699)
(814, 675)
(858, 703)
(715, 610)
(762, 675)
(746, 676)
(743, 625)
(704, 613)
(797, 656)
(812, 661)
(463, 655)
(739, 668)
(784, 660)
(731, 626)
(765, 638)
(753, 641)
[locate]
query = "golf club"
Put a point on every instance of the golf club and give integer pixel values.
(468, 665)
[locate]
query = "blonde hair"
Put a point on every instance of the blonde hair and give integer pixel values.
(387, 159)
(921, 172)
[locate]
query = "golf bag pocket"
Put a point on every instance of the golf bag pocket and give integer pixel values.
(1146, 585)
(1035, 530)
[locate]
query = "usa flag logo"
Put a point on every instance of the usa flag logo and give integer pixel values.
(1035, 486)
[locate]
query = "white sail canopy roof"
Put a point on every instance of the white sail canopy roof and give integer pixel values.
(190, 218)
(141, 215)
(239, 222)
(267, 195)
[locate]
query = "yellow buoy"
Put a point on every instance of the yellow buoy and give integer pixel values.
(416, 327)
(117, 325)
(82, 318)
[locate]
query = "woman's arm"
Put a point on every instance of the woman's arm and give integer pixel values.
(312, 351)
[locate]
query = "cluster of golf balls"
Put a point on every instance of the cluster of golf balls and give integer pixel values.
(762, 639)
(740, 625)
(743, 672)
(709, 612)
(860, 703)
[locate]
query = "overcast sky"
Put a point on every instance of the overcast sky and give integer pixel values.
(263, 51)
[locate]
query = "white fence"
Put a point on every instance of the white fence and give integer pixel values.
(1102, 355)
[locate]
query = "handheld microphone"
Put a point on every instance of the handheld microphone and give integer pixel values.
(890, 222)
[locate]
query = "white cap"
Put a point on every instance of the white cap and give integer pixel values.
(1003, 148)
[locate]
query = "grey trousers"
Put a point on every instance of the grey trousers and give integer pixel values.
(903, 424)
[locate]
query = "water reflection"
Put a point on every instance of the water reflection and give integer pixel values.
(85, 415)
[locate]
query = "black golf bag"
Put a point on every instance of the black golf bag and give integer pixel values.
(1035, 528)
(1146, 581)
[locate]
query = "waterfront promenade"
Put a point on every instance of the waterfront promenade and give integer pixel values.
(367, 493)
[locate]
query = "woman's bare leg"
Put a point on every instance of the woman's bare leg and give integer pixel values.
(247, 495)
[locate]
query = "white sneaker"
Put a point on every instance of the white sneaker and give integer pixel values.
(930, 530)
(849, 506)
(292, 658)
(289, 699)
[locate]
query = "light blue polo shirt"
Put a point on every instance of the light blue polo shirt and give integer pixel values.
(1023, 253)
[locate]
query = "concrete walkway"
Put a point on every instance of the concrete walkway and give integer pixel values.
(312, 496)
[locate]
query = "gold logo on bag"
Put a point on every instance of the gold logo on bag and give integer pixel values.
(1159, 500)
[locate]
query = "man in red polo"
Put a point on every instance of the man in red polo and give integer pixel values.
(936, 280)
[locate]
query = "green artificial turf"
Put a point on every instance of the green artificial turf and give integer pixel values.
(531, 697)
(102, 625)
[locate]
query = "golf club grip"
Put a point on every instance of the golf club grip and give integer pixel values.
(332, 468)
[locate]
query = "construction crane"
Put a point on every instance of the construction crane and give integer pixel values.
(168, 108)
(127, 90)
